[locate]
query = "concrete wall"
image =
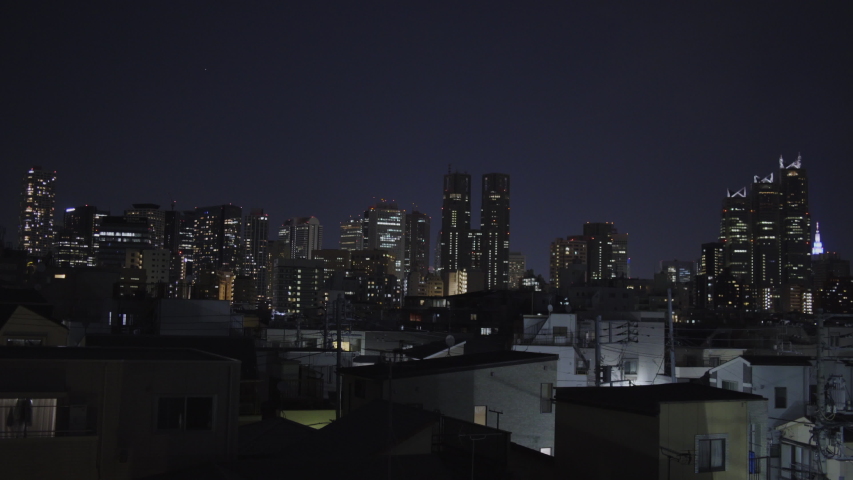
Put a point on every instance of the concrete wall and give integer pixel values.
(765, 379)
(513, 390)
(594, 443)
(680, 423)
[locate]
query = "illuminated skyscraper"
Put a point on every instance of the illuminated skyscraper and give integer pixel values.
(454, 250)
(76, 243)
(256, 230)
(301, 236)
(494, 225)
(38, 199)
(795, 229)
(736, 234)
(217, 242)
(517, 267)
(352, 235)
(817, 249)
(156, 219)
(416, 243)
(599, 238)
(383, 230)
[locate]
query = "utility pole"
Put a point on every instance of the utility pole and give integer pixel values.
(339, 381)
(671, 336)
(820, 433)
(598, 351)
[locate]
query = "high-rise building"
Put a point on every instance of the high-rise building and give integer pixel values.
(383, 230)
(216, 239)
(567, 255)
(517, 267)
(352, 235)
(599, 241)
(736, 234)
(38, 199)
(494, 225)
(121, 241)
(455, 223)
(619, 259)
(678, 272)
(766, 219)
(795, 228)
(76, 243)
(301, 236)
(256, 230)
(156, 219)
(710, 268)
(296, 286)
(416, 242)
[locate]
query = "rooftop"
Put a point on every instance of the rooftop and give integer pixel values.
(778, 360)
(109, 354)
(434, 366)
(646, 399)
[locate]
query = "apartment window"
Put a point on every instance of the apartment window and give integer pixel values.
(781, 398)
(545, 450)
(185, 413)
(729, 385)
(713, 361)
(480, 414)
(711, 453)
(561, 331)
(546, 392)
(630, 366)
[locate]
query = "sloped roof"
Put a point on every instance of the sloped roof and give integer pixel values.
(434, 366)
(7, 310)
(646, 399)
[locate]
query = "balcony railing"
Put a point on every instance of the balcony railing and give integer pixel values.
(545, 339)
(41, 417)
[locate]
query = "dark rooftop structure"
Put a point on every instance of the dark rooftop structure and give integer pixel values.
(778, 360)
(238, 348)
(114, 354)
(646, 399)
(458, 363)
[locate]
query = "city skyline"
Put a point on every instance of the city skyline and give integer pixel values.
(635, 115)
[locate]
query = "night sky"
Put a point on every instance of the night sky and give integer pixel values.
(638, 113)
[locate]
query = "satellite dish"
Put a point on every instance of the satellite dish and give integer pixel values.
(450, 341)
(550, 308)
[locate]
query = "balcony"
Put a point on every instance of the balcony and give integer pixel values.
(546, 339)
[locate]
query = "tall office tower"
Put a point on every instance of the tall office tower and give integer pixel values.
(216, 239)
(517, 267)
(766, 203)
(736, 234)
(621, 262)
(475, 249)
(678, 272)
(121, 241)
(568, 257)
(599, 241)
(494, 225)
(256, 231)
(38, 199)
(416, 243)
(156, 219)
(296, 286)
(455, 223)
(795, 230)
(76, 243)
(710, 268)
(383, 230)
(300, 236)
(352, 235)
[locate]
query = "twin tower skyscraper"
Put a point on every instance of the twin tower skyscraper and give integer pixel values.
(479, 253)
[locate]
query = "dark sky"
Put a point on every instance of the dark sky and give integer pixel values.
(639, 113)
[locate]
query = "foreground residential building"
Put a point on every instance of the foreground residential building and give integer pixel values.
(679, 430)
(116, 413)
(511, 391)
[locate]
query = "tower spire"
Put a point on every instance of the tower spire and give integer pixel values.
(817, 249)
